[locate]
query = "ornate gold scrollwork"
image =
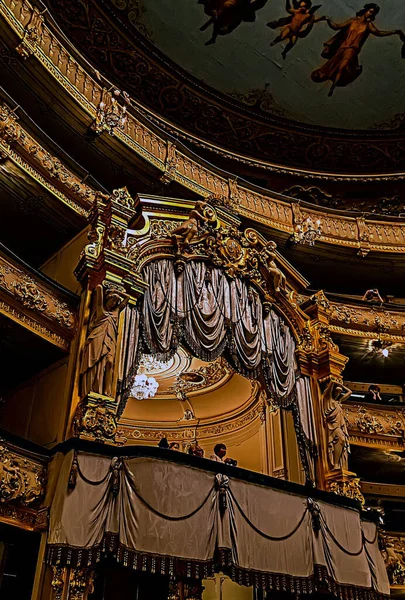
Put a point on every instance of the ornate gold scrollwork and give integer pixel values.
(240, 253)
(345, 483)
(58, 582)
(28, 293)
(96, 419)
(22, 480)
(394, 558)
(81, 583)
(32, 294)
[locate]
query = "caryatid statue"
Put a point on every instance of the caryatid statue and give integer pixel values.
(337, 433)
(97, 364)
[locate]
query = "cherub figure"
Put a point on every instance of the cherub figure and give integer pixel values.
(227, 15)
(185, 232)
(269, 253)
(298, 25)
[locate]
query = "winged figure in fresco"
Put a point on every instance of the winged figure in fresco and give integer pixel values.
(297, 25)
(343, 49)
(227, 15)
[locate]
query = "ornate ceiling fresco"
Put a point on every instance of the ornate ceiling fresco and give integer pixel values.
(239, 93)
(280, 57)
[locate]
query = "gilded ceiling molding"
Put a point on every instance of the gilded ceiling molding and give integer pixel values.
(14, 139)
(362, 234)
(22, 487)
(376, 426)
(29, 301)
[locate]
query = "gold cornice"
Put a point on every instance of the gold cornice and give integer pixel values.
(34, 305)
(364, 235)
(351, 318)
(22, 149)
(376, 426)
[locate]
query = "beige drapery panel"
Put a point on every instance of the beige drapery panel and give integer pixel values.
(163, 517)
(306, 423)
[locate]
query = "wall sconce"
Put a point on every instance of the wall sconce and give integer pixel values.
(381, 346)
(306, 232)
(111, 115)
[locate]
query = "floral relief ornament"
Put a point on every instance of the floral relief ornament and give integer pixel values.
(29, 294)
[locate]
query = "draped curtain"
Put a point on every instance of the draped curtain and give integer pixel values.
(306, 428)
(213, 315)
(156, 515)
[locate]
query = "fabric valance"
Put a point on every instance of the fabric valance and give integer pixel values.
(160, 516)
(212, 315)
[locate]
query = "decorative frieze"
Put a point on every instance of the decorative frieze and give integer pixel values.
(31, 295)
(376, 425)
(22, 480)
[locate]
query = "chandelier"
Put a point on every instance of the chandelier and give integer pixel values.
(111, 114)
(144, 387)
(306, 232)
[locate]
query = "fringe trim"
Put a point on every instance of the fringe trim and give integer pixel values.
(66, 556)
(318, 582)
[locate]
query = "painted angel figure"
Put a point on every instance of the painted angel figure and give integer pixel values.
(227, 15)
(343, 49)
(297, 25)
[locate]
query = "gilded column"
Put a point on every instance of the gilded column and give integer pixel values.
(320, 357)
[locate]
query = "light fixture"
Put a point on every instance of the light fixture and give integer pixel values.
(144, 387)
(306, 232)
(381, 346)
(111, 115)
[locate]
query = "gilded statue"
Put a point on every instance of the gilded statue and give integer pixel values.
(97, 362)
(186, 232)
(337, 433)
(342, 50)
(297, 25)
(269, 256)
